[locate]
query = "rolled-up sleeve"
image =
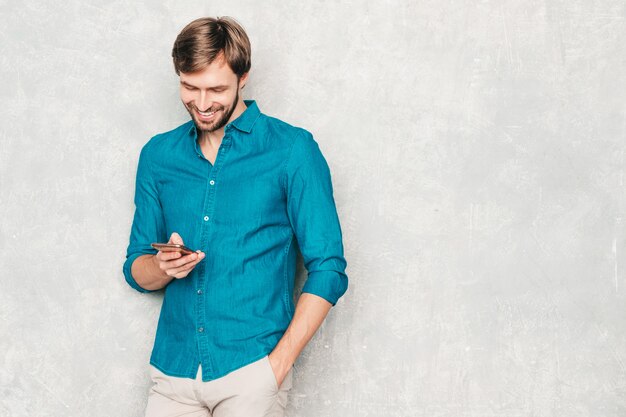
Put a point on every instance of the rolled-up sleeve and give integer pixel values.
(313, 216)
(148, 224)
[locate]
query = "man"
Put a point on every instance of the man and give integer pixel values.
(244, 190)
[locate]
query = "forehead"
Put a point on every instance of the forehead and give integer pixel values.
(217, 72)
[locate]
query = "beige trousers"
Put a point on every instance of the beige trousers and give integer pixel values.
(249, 391)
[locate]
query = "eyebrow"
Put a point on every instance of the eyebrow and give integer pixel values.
(217, 87)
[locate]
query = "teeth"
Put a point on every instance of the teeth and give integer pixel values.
(205, 114)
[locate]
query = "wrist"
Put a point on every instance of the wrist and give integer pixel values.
(282, 360)
(158, 272)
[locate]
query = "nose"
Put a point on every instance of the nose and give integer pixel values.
(204, 102)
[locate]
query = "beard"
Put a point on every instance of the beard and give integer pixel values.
(222, 115)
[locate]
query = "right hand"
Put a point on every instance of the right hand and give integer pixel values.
(175, 264)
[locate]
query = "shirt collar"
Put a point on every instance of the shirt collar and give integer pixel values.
(244, 122)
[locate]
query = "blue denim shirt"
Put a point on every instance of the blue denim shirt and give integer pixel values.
(268, 192)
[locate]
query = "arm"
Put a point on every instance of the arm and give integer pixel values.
(145, 268)
(147, 273)
(313, 217)
(310, 313)
(148, 226)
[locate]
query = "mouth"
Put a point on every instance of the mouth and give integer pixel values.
(206, 116)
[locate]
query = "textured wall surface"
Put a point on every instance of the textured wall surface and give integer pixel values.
(477, 152)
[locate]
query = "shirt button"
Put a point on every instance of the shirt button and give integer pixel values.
(199, 291)
(206, 218)
(200, 329)
(212, 182)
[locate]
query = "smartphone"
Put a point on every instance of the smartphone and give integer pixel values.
(172, 247)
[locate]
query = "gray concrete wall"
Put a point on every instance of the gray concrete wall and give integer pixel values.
(477, 152)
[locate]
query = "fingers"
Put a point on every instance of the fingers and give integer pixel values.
(175, 238)
(181, 261)
(184, 270)
(168, 256)
(172, 263)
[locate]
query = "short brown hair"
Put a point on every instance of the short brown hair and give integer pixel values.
(202, 40)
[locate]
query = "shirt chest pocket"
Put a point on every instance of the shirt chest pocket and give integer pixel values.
(254, 199)
(182, 206)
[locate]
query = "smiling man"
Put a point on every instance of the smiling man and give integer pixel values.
(244, 190)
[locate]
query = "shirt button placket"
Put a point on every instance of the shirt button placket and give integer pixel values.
(210, 195)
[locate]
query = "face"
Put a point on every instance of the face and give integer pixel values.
(211, 95)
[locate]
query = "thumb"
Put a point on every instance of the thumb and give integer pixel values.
(175, 238)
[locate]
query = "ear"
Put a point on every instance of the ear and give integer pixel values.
(243, 79)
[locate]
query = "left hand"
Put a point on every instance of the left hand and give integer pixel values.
(280, 370)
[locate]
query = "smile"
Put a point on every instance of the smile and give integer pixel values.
(206, 116)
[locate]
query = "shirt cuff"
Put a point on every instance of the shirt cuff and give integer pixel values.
(330, 285)
(127, 272)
